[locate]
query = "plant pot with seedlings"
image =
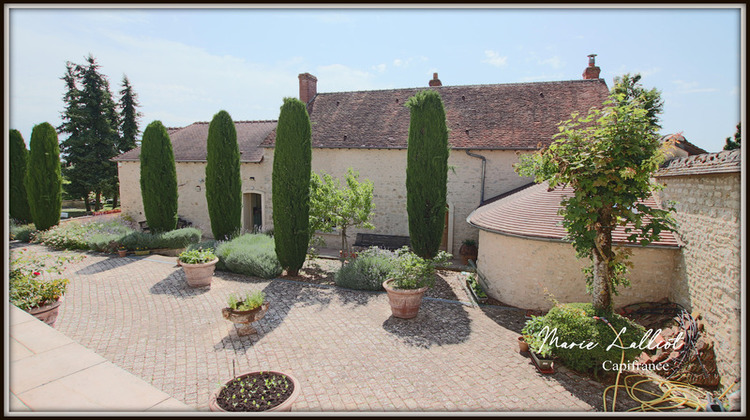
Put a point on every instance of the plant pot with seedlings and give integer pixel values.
(244, 311)
(411, 279)
(475, 289)
(122, 251)
(256, 391)
(199, 266)
(468, 251)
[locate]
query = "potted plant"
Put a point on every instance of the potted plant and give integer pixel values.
(199, 265)
(122, 251)
(522, 344)
(245, 311)
(411, 279)
(468, 251)
(256, 391)
(477, 293)
(141, 250)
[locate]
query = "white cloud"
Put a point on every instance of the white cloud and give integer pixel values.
(379, 68)
(340, 78)
(555, 62)
(691, 87)
(495, 59)
(406, 62)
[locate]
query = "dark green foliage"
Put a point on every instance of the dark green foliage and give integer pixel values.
(368, 271)
(575, 324)
(23, 233)
(426, 172)
(736, 142)
(291, 185)
(223, 181)
(176, 239)
(158, 179)
(19, 156)
(629, 91)
(75, 235)
(128, 117)
(137, 240)
(208, 244)
(43, 180)
(249, 254)
(91, 120)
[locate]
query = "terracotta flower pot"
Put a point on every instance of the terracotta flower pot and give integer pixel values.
(122, 252)
(47, 313)
(523, 345)
(242, 319)
(468, 252)
(199, 275)
(404, 302)
(284, 406)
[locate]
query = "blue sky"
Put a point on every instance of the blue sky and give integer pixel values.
(188, 64)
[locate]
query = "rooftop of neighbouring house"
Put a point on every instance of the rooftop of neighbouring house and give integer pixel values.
(514, 116)
(189, 143)
(681, 142)
(533, 212)
(726, 161)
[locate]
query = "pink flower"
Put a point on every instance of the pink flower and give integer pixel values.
(36, 273)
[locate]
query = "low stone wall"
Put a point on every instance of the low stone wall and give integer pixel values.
(708, 215)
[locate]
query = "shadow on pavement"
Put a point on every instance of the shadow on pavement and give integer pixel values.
(110, 263)
(176, 285)
(435, 324)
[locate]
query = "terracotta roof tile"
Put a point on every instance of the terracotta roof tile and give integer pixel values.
(533, 213)
(682, 143)
(708, 163)
(189, 143)
(503, 116)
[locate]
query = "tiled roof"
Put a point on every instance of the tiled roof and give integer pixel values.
(681, 142)
(708, 163)
(189, 143)
(533, 213)
(517, 116)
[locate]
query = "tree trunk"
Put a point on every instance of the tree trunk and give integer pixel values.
(86, 202)
(115, 196)
(602, 256)
(344, 247)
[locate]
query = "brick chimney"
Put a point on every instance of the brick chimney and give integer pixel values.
(308, 87)
(592, 71)
(435, 81)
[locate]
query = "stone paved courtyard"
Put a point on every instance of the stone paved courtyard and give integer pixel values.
(344, 347)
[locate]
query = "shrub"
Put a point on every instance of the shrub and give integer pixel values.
(250, 254)
(575, 323)
(71, 235)
(158, 179)
(211, 244)
(426, 172)
(19, 156)
(43, 180)
(140, 240)
(291, 185)
(23, 233)
(176, 239)
(223, 181)
(105, 242)
(368, 271)
(30, 282)
(414, 272)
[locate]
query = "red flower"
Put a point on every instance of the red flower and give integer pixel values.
(36, 273)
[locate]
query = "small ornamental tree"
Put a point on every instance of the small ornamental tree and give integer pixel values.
(426, 172)
(335, 206)
(158, 179)
(43, 180)
(223, 181)
(608, 156)
(19, 156)
(291, 185)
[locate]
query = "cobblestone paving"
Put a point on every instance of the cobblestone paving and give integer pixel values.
(344, 347)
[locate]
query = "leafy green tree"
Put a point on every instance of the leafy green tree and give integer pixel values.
(627, 89)
(608, 156)
(158, 179)
(335, 206)
(426, 172)
(19, 156)
(43, 180)
(91, 121)
(291, 185)
(223, 180)
(735, 143)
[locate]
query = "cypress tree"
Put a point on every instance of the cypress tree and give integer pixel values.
(291, 185)
(43, 180)
(223, 181)
(158, 179)
(19, 156)
(426, 172)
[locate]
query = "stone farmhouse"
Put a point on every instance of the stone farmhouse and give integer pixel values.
(368, 130)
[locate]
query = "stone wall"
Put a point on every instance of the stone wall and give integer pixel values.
(525, 271)
(708, 216)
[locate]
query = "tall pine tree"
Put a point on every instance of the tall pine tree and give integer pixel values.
(291, 185)
(129, 117)
(18, 159)
(91, 121)
(223, 181)
(43, 181)
(426, 172)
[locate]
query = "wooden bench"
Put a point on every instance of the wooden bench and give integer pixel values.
(181, 223)
(390, 242)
